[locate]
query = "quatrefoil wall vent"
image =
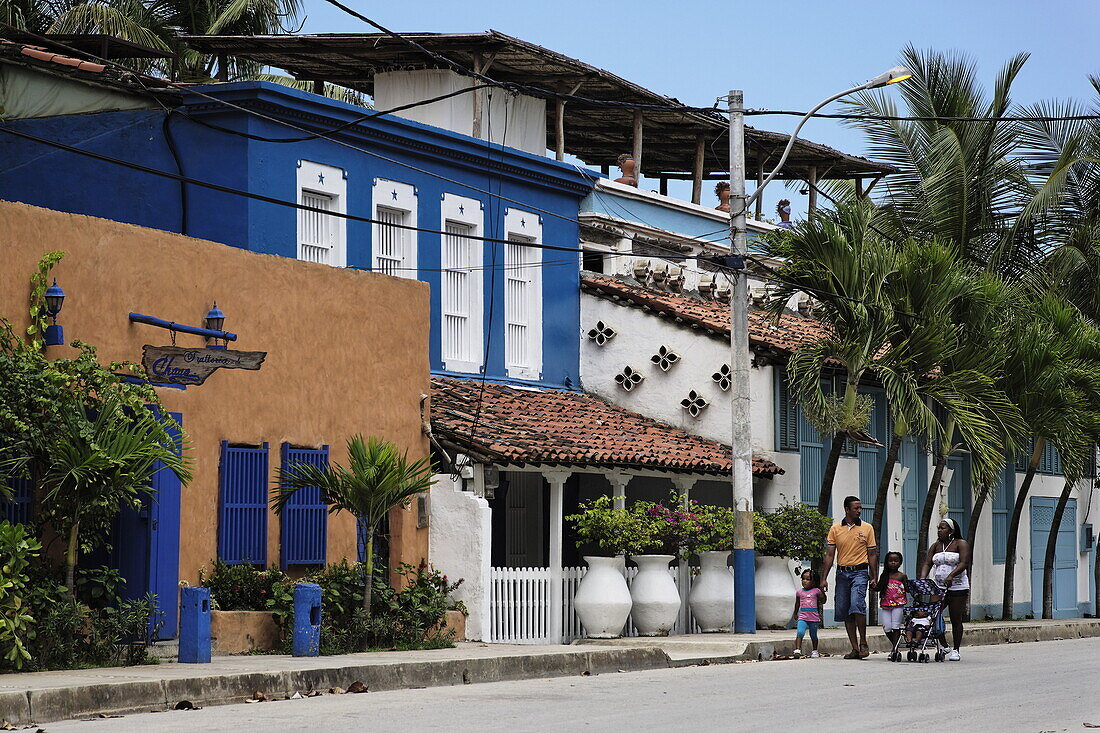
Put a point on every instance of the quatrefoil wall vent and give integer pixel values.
(694, 403)
(723, 377)
(629, 378)
(665, 358)
(602, 333)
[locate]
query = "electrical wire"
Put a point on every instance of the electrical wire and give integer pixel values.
(901, 118)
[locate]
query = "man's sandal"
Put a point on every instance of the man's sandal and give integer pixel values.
(854, 654)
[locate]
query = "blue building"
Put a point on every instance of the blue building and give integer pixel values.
(429, 195)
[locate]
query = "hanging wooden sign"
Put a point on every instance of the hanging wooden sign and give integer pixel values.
(175, 365)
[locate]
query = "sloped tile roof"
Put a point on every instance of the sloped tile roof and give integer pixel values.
(791, 332)
(551, 427)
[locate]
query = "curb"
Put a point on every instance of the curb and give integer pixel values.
(972, 636)
(64, 703)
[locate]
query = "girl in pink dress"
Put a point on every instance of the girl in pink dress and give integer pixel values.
(810, 600)
(891, 593)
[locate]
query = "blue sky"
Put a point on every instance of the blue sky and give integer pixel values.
(784, 55)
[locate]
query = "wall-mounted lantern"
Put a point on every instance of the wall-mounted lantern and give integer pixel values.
(214, 321)
(55, 298)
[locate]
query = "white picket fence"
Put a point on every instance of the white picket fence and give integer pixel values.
(519, 601)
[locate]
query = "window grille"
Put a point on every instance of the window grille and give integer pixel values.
(304, 521)
(390, 252)
(317, 231)
(519, 264)
(20, 508)
(243, 495)
(459, 260)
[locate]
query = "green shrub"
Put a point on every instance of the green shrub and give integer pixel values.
(794, 530)
(615, 531)
(17, 550)
(243, 587)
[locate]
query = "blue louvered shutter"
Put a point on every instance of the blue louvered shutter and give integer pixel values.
(242, 520)
(304, 521)
(786, 414)
(18, 509)
(1004, 496)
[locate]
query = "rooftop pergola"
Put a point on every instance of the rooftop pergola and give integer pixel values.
(667, 141)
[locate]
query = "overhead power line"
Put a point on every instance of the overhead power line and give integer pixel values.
(904, 118)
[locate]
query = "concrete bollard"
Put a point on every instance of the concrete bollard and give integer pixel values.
(194, 626)
(307, 620)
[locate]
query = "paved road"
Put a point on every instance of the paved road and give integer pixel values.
(1048, 686)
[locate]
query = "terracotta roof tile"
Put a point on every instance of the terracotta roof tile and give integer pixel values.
(46, 60)
(791, 332)
(550, 427)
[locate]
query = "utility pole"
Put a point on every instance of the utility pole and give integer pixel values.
(744, 547)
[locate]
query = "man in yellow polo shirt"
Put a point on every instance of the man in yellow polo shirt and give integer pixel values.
(852, 546)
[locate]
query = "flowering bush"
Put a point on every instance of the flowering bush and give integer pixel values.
(243, 588)
(615, 531)
(794, 530)
(667, 526)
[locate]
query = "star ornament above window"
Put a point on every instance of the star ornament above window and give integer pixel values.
(394, 194)
(462, 209)
(321, 178)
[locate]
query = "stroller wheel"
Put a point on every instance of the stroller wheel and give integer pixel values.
(912, 656)
(924, 657)
(940, 656)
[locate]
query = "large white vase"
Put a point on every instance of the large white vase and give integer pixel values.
(711, 597)
(775, 593)
(603, 600)
(656, 600)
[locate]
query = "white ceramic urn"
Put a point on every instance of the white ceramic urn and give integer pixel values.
(775, 592)
(656, 599)
(711, 597)
(603, 600)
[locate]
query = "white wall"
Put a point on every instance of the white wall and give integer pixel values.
(458, 540)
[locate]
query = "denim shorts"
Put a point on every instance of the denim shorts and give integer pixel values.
(851, 593)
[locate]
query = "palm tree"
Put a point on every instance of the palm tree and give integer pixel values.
(160, 23)
(838, 259)
(1052, 377)
(378, 478)
(94, 465)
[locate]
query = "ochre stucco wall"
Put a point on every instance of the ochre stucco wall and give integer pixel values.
(347, 350)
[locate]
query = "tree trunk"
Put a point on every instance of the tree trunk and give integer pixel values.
(1052, 547)
(368, 571)
(71, 555)
(971, 530)
(881, 497)
(934, 486)
(1014, 531)
(825, 498)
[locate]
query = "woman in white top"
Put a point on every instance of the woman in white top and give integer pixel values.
(946, 562)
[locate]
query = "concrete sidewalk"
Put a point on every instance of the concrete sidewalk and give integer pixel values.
(46, 696)
(766, 644)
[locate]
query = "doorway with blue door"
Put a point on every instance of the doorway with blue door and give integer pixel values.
(146, 547)
(1065, 556)
(913, 457)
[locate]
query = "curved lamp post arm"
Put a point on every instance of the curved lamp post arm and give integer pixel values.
(894, 75)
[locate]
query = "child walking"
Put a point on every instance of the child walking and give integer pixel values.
(810, 601)
(891, 592)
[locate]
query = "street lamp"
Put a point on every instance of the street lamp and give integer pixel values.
(214, 321)
(744, 552)
(55, 299)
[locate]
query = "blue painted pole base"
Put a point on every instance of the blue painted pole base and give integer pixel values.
(744, 591)
(306, 641)
(194, 626)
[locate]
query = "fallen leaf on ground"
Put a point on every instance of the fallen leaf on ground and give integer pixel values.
(186, 705)
(105, 715)
(357, 686)
(314, 693)
(1091, 725)
(337, 691)
(259, 697)
(848, 684)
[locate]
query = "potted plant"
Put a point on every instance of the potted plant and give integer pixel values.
(656, 598)
(794, 531)
(603, 599)
(710, 537)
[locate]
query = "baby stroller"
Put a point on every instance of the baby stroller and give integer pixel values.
(927, 597)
